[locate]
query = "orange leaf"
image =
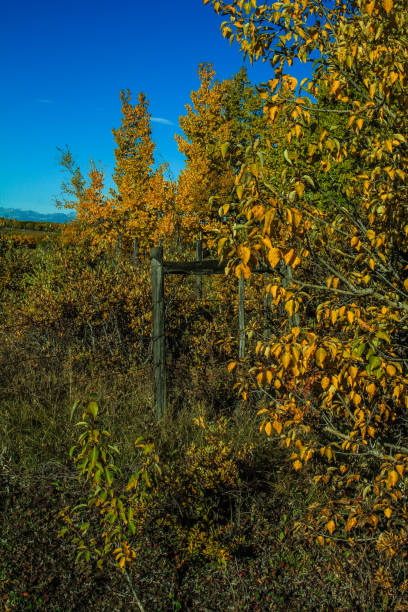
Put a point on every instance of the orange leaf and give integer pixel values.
(350, 523)
(277, 427)
(325, 382)
(392, 479)
(388, 4)
(331, 526)
(288, 256)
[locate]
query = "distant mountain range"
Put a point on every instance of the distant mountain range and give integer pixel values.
(31, 215)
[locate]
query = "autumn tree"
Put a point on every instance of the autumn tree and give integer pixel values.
(137, 207)
(222, 120)
(139, 200)
(335, 377)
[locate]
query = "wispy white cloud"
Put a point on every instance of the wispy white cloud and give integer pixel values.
(162, 121)
(45, 101)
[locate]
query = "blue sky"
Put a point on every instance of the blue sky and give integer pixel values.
(63, 66)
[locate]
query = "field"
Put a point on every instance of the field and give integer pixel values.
(217, 530)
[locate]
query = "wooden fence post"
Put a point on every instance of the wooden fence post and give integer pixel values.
(241, 316)
(199, 278)
(158, 332)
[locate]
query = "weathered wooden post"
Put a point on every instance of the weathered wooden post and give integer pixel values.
(241, 316)
(158, 332)
(199, 257)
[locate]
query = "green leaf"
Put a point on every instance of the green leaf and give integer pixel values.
(93, 409)
(373, 363)
(108, 476)
(132, 527)
(74, 407)
(309, 180)
(286, 156)
(359, 350)
(224, 149)
(383, 335)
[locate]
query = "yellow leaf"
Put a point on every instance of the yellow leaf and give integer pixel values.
(231, 366)
(320, 540)
(325, 382)
(370, 7)
(274, 257)
(122, 562)
(288, 256)
(406, 284)
(298, 130)
(388, 4)
(244, 253)
(331, 526)
(277, 427)
(268, 428)
(350, 523)
(392, 479)
(391, 370)
(273, 111)
(221, 245)
(388, 145)
(371, 389)
(334, 87)
(299, 188)
(320, 356)
(286, 360)
(388, 512)
(289, 307)
(350, 316)
(297, 465)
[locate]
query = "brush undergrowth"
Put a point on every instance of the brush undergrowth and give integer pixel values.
(215, 529)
